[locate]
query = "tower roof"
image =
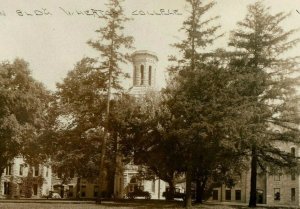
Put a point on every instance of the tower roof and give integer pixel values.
(144, 52)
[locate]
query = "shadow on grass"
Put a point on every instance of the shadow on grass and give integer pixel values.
(162, 204)
(144, 204)
(240, 206)
(122, 204)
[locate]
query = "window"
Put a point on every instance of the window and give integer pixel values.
(6, 186)
(59, 174)
(276, 194)
(83, 191)
(21, 170)
(8, 169)
(71, 191)
(35, 189)
(238, 195)
(36, 170)
(215, 194)
(293, 194)
(142, 75)
(153, 185)
(96, 190)
(150, 75)
(20, 185)
(259, 196)
(293, 151)
(72, 173)
(277, 177)
(131, 188)
(293, 176)
(47, 171)
(228, 194)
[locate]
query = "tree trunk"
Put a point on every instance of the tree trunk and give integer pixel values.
(111, 180)
(171, 190)
(28, 184)
(188, 197)
(199, 191)
(78, 188)
(1, 192)
(115, 191)
(252, 201)
(106, 135)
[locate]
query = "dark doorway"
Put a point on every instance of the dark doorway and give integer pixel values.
(259, 196)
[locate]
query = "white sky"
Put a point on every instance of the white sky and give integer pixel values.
(53, 44)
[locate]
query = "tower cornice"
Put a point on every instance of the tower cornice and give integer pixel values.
(144, 52)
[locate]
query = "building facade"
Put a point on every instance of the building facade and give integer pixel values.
(75, 188)
(21, 180)
(278, 189)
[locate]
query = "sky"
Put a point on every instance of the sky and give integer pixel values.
(52, 41)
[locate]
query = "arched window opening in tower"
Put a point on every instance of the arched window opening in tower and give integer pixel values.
(142, 75)
(150, 75)
(293, 151)
(135, 71)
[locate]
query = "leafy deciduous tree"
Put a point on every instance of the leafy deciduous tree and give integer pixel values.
(23, 102)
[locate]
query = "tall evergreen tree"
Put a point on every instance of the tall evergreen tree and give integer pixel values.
(205, 119)
(111, 45)
(78, 118)
(199, 35)
(84, 100)
(264, 78)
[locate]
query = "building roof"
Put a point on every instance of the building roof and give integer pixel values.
(145, 52)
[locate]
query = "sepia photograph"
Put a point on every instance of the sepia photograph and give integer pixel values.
(139, 104)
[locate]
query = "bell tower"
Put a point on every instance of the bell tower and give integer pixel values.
(144, 71)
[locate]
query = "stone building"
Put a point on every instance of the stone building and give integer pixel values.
(279, 189)
(22, 180)
(75, 187)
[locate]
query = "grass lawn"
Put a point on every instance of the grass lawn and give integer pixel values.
(117, 205)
